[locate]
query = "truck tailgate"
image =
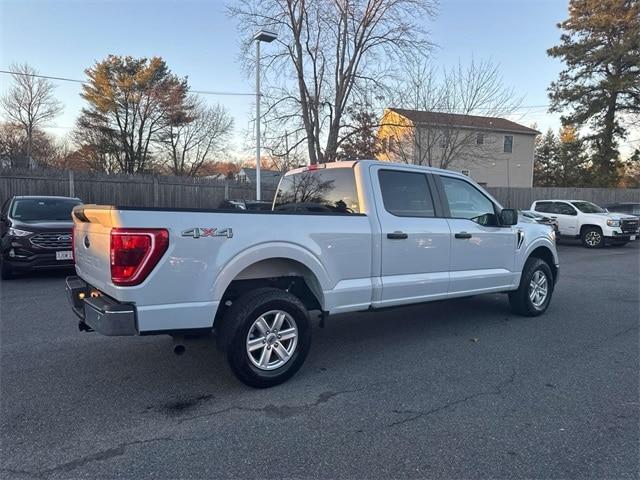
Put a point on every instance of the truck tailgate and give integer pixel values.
(91, 235)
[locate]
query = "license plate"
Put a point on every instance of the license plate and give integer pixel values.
(633, 237)
(66, 255)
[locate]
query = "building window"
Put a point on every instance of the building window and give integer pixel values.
(480, 139)
(465, 172)
(508, 143)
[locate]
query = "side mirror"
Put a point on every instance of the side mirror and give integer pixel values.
(508, 216)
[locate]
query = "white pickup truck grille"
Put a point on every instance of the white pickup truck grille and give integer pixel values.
(629, 226)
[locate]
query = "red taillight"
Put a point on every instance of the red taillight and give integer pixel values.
(135, 252)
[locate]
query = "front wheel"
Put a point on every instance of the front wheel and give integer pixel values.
(592, 237)
(534, 292)
(267, 336)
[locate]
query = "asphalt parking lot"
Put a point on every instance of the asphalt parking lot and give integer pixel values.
(456, 389)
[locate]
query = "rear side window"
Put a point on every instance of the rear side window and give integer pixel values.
(545, 207)
(328, 190)
(406, 194)
(564, 209)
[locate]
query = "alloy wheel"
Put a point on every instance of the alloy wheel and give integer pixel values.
(538, 289)
(272, 340)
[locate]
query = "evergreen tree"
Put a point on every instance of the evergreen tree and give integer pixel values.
(545, 158)
(571, 162)
(601, 82)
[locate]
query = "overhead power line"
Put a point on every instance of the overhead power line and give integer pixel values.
(202, 92)
(64, 79)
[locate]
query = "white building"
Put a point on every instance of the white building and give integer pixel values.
(495, 152)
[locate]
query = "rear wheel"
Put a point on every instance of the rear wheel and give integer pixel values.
(592, 237)
(534, 292)
(267, 336)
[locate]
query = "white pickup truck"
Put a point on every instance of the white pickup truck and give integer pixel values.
(594, 225)
(342, 237)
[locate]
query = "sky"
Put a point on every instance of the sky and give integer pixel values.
(197, 39)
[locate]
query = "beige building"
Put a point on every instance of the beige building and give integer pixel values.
(495, 152)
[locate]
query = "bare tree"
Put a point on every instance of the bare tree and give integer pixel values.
(475, 89)
(30, 103)
(327, 51)
(197, 138)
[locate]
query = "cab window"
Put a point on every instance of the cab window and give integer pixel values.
(406, 194)
(562, 208)
(466, 201)
(544, 207)
(328, 190)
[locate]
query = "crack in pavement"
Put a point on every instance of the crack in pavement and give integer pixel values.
(107, 454)
(417, 414)
(277, 411)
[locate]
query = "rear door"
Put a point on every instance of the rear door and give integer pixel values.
(482, 251)
(415, 243)
(567, 217)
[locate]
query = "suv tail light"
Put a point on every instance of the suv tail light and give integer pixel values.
(135, 252)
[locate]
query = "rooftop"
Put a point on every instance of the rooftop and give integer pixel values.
(464, 121)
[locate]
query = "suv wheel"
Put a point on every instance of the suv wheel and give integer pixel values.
(534, 292)
(592, 237)
(267, 335)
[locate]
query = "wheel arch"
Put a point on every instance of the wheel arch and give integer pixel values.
(589, 225)
(545, 254)
(284, 266)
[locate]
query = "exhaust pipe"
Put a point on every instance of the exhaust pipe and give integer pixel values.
(178, 345)
(179, 349)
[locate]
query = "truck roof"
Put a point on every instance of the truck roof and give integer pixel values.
(352, 163)
(52, 197)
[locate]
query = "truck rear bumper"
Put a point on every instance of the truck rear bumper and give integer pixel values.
(99, 312)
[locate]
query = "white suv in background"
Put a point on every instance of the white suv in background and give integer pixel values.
(594, 225)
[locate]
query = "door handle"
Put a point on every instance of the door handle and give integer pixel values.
(397, 236)
(463, 235)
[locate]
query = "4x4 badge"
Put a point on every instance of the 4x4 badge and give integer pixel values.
(208, 232)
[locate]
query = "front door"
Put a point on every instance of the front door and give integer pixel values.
(482, 251)
(415, 244)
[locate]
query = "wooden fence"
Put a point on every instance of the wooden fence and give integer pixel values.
(128, 190)
(522, 198)
(188, 192)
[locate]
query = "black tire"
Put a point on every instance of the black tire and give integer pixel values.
(5, 271)
(592, 237)
(520, 299)
(237, 323)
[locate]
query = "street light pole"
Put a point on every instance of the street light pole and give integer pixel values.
(261, 36)
(258, 197)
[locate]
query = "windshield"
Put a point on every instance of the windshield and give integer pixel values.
(43, 209)
(588, 207)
